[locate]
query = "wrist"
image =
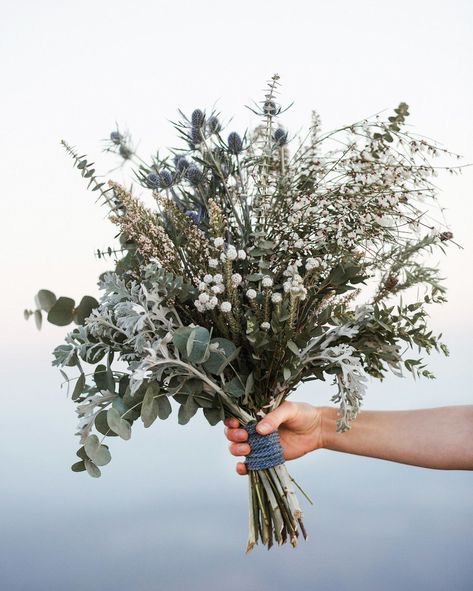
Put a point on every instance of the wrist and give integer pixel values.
(329, 415)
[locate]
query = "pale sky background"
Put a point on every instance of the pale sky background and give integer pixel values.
(169, 512)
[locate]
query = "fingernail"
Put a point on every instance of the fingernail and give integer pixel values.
(242, 448)
(263, 428)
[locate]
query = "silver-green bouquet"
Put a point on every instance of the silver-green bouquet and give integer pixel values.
(267, 260)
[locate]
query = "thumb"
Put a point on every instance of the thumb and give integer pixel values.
(272, 420)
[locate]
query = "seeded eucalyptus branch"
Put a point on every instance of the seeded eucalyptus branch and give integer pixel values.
(268, 260)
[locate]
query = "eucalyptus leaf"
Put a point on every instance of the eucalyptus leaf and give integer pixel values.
(187, 411)
(46, 299)
(78, 466)
(164, 406)
(61, 312)
(198, 344)
(149, 407)
(92, 469)
(79, 387)
(213, 415)
(38, 319)
(120, 426)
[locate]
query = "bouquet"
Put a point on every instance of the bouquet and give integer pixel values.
(266, 260)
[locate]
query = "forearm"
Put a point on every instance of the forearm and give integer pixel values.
(439, 438)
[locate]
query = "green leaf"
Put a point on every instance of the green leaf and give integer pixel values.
(61, 312)
(117, 424)
(102, 456)
(101, 424)
(291, 345)
(218, 359)
(286, 373)
(149, 407)
(187, 411)
(180, 337)
(80, 453)
(198, 344)
(235, 388)
(91, 445)
(213, 415)
(46, 299)
(164, 406)
(84, 309)
(78, 466)
(92, 469)
(78, 387)
(38, 319)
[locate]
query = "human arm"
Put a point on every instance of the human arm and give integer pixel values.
(440, 438)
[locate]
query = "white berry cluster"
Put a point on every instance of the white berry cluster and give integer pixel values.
(210, 288)
(230, 253)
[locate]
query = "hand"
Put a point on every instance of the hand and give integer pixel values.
(299, 425)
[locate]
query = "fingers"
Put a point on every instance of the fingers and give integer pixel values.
(239, 449)
(236, 435)
(232, 423)
(241, 469)
(272, 420)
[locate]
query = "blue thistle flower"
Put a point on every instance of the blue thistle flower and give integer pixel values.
(195, 216)
(125, 151)
(235, 145)
(270, 108)
(280, 136)
(196, 135)
(165, 179)
(197, 118)
(116, 137)
(153, 179)
(194, 175)
(181, 163)
(214, 124)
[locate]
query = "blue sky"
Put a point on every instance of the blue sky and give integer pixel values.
(169, 511)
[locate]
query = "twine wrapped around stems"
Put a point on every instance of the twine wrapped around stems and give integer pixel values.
(266, 450)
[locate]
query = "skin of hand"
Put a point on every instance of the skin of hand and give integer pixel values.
(438, 438)
(299, 425)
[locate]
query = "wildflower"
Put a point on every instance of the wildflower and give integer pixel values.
(265, 325)
(218, 242)
(204, 298)
(116, 137)
(251, 294)
(213, 263)
(223, 257)
(235, 145)
(194, 175)
(212, 302)
(214, 124)
(267, 281)
(225, 307)
(231, 253)
(197, 118)
(242, 255)
(280, 136)
(218, 278)
(153, 179)
(236, 279)
(196, 135)
(208, 278)
(270, 108)
(165, 178)
(181, 162)
(276, 297)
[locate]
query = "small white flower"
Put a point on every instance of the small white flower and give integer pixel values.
(215, 288)
(218, 278)
(231, 253)
(199, 306)
(276, 298)
(287, 286)
(218, 242)
(223, 257)
(236, 279)
(213, 263)
(267, 281)
(242, 255)
(225, 307)
(207, 278)
(299, 243)
(204, 298)
(202, 286)
(265, 325)
(213, 302)
(251, 294)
